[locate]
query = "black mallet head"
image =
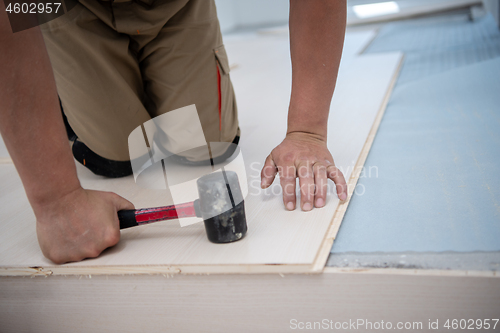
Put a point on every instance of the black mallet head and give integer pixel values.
(222, 207)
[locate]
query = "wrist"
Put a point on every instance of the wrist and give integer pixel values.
(306, 136)
(315, 133)
(313, 130)
(311, 120)
(41, 199)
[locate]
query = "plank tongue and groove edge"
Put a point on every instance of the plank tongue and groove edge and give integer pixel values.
(278, 241)
(324, 251)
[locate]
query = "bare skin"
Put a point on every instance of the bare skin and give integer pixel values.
(317, 29)
(72, 223)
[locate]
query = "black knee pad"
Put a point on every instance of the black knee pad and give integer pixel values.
(97, 164)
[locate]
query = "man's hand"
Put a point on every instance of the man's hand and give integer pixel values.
(317, 31)
(305, 156)
(79, 225)
(72, 223)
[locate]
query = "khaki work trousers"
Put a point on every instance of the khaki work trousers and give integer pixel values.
(118, 64)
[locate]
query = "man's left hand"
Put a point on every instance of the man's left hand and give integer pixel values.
(306, 156)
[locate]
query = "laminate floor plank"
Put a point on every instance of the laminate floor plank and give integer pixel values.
(275, 236)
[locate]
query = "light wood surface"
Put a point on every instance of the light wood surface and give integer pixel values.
(277, 240)
(239, 303)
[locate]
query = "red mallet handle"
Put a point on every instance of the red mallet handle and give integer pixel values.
(134, 217)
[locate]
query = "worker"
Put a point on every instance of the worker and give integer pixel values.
(105, 67)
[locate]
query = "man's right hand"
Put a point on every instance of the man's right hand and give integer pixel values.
(72, 223)
(79, 225)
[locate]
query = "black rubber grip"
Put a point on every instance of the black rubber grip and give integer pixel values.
(127, 218)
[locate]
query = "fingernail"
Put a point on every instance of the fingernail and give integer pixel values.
(289, 206)
(306, 207)
(262, 183)
(343, 196)
(320, 202)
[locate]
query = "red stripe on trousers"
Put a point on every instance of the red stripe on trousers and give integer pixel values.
(220, 98)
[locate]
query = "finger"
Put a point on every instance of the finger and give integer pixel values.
(306, 183)
(321, 184)
(112, 236)
(121, 203)
(338, 178)
(268, 172)
(287, 180)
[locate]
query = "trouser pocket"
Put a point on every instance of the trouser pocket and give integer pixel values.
(228, 113)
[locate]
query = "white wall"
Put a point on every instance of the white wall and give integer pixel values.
(493, 6)
(226, 10)
(251, 13)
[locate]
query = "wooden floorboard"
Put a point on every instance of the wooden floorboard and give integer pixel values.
(240, 303)
(277, 240)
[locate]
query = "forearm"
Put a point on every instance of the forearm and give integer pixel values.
(30, 117)
(317, 29)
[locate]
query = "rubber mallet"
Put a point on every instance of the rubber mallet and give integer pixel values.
(220, 204)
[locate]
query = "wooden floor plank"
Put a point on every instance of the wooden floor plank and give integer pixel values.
(277, 240)
(239, 303)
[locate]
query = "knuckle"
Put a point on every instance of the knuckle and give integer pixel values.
(320, 168)
(305, 159)
(55, 257)
(320, 191)
(307, 183)
(304, 171)
(341, 187)
(287, 173)
(307, 188)
(288, 189)
(267, 171)
(289, 157)
(287, 179)
(116, 197)
(321, 181)
(113, 237)
(50, 254)
(93, 252)
(113, 197)
(333, 171)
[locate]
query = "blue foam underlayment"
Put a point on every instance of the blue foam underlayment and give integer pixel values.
(437, 152)
(435, 45)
